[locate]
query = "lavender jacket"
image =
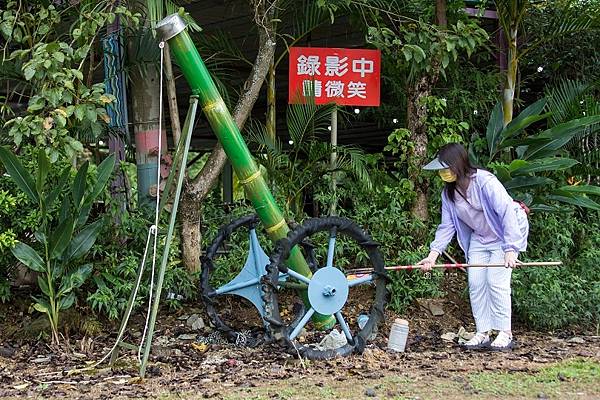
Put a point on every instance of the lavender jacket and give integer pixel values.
(506, 217)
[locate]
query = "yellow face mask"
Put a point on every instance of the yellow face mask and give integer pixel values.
(447, 175)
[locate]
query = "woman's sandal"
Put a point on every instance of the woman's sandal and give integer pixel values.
(503, 341)
(481, 340)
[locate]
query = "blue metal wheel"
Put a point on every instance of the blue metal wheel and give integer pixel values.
(234, 243)
(338, 245)
(232, 268)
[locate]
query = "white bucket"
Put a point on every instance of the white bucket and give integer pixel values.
(398, 335)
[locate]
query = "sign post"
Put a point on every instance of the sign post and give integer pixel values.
(333, 205)
(349, 77)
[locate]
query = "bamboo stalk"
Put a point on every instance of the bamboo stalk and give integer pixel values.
(172, 30)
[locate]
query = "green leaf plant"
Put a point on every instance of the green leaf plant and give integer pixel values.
(43, 66)
(531, 166)
(294, 170)
(58, 252)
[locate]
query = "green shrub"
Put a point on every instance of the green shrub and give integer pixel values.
(118, 256)
(383, 212)
(60, 243)
(406, 286)
(18, 218)
(216, 215)
(8, 205)
(552, 298)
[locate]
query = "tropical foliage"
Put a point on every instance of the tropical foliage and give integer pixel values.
(511, 16)
(59, 245)
(531, 161)
(552, 298)
(295, 170)
(46, 68)
(440, 84)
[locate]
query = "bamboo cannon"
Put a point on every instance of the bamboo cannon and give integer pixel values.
(172, 30)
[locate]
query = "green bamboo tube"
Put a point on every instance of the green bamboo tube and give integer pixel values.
(172, 29)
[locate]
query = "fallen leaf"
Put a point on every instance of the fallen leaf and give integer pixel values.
(47, 124)
(449, 336)
(200, 347)
(21, 387)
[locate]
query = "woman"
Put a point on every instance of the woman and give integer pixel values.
(491, 228)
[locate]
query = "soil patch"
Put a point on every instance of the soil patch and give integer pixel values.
(430, 367)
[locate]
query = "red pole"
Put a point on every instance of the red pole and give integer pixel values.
(458, 265)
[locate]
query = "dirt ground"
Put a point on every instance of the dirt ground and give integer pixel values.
(562, 365)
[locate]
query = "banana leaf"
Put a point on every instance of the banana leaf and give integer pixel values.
(525, 118)
(576, 200)
(545, 165)
(19, 174)
(587, 189)
(527, 181)
(494, 128)
(560, 135)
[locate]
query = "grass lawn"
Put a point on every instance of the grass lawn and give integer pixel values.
(572, 379)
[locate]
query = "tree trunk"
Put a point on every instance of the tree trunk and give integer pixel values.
(172, 97)
(415, 122)
(145, 104)
(271, 96)
(416, 119)
(145, 101)
(195, 191)
(508, 97)
(440, 13)
(191, 237)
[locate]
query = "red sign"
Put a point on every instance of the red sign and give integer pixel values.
(344, 76)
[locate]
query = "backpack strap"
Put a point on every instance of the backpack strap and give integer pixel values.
(523, 206)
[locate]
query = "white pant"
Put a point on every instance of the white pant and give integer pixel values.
(489, 288)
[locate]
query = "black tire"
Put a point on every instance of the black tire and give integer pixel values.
(279, 329)
(208, 268)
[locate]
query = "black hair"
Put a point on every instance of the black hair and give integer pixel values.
(456, 158)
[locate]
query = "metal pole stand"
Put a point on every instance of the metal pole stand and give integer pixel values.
(179, 166)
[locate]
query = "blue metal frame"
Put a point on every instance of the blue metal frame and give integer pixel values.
(247, 283)
(328, 288)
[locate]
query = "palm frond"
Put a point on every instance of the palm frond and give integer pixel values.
(308, 120)
(312, 16)
(270, 150)
(354, 160)
(257, 134)
(317, 153)
(155, 11)
(567, 20)
(220, 77)
(567, 25)
(571, 100)
(13, 79)
(589, 168)
(173, 8)
(144, 53)
(585, 148)
(222, 48)
(159, 9)
(564, 100)
(511, 13)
